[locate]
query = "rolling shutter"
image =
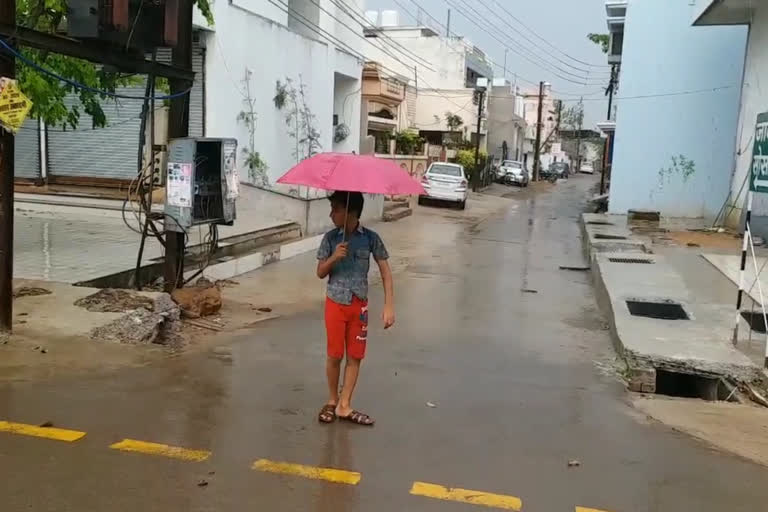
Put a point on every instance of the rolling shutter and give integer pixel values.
(111, 152)
(27, 151)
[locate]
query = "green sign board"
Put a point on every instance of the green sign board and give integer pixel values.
(758, 181)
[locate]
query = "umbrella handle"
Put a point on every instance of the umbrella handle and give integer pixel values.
(346, 214)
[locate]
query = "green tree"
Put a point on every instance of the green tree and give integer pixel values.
(48, 93)
(603, 40)
(454, 121)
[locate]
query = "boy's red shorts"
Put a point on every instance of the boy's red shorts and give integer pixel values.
(347, 328)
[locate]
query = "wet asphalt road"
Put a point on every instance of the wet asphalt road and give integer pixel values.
(511, 373)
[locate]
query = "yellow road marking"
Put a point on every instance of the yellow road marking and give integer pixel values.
(174, 452)
(584, 509)
(58, 434)
(338, 476)
(466, 496)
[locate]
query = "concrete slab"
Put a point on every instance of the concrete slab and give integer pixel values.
(699, 345)
(729, 265)
(609, 233)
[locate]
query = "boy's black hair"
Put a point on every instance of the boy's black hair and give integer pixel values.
(356, 201)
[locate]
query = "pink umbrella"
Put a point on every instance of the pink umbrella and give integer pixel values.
(352, 173)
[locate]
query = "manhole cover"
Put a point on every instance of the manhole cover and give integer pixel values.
(644, 261)
(603, 236)
(667, 310)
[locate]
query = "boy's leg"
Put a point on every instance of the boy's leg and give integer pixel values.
(335, 326)
(356, 340)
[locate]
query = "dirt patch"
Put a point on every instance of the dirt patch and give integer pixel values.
(709, 239)
(739, 429)
(109, 300)
(30, 291)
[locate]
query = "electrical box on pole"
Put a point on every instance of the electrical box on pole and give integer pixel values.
(202, 183)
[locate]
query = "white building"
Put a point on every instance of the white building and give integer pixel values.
(548, 123)
(506, 125)
(314, 45)
(677, 108)
(754, 99)
(444, 70)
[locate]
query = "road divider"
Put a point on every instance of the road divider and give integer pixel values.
(57, 434)
(487, 499)
(162, 450)
(338, 476)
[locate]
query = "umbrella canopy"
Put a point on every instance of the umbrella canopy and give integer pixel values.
(352, 173)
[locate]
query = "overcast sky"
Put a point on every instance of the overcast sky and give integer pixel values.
(564, 24)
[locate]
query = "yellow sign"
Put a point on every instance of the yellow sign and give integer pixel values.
(14, 106)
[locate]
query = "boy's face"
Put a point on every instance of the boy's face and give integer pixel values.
(338, 213)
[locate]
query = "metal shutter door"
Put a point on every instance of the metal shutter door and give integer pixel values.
(108, 152)
(197, 94)
(27, 151)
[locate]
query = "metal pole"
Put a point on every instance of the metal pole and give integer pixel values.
(178, 127)
(448, 25)
(7, 69)
(578, 134)
(610, 90)
(537, 149)
(506, 50)
(475, 175)
(744, 247)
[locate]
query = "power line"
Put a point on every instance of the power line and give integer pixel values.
(78, 85)
(544, 39)
(548, 52)
(559, 72)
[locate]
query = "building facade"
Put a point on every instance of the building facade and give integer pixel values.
(677, 111)
(751, 16)
(442, 70)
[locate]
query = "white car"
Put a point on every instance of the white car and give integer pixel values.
(445, 182)
(587, 169)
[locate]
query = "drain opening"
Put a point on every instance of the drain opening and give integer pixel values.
(644, 261)
(686, 385)
(755, 320)
(600, 223)
(603, 236)
(658, 310)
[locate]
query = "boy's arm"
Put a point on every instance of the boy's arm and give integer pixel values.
(324, 265)
(388, 314)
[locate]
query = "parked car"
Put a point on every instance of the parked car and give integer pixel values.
(515, 173)
(558, 170)
(587, 168)
(445, 182)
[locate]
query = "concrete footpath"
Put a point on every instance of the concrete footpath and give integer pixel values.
(665, 314)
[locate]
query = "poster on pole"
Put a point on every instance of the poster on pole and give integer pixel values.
(758, 180)
(14, 105)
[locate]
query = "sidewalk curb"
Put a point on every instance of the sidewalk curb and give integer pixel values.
(237, 266)
(650, 345)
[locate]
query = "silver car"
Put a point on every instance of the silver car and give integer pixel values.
(445, 182)
(514, 173)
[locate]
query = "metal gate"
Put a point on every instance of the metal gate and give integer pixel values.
(27, 151)
(111, 152)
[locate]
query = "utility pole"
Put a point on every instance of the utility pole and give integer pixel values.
(611, 86)
(504, 76)
(448, 25)
(537, 148)
(7, 69)
(178, 127)
(578, 134)
(476, 174)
